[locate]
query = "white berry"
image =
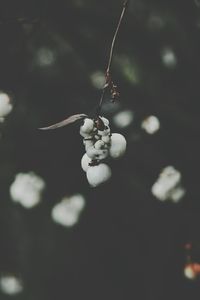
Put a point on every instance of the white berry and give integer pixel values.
(99, 174)
(97, 154)
(5, 105)
(85, 162)
(88, 144)
(99, 145)
(118, 145)
(92, 152)
(104, 132)
(85, 135)
(97, 137)
(106, 139)
(105, 121)
(87, 127)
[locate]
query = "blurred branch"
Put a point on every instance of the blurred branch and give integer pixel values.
(20, 20)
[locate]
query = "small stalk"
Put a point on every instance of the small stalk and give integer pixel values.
(108, 78)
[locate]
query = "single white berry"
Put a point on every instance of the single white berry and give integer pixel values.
(5, 105)
(85, 135)
(189, 272)
(123, 119)
(92, 153)
(118, 145)
(27, 189)
(97, 137)
(103, 154)
(11, 284)
(99, 145)
(106, 139)
(151, 124)
(104, 132)
(87, 127)
(96, 154)
(85, 162)
(88, 143)
(99, 174)
(105, 121)
(68, 211)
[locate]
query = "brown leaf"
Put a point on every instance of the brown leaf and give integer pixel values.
(65, 122)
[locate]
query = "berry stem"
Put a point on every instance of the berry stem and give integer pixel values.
(108, 81)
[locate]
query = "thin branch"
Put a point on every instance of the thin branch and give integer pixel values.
(115, 35)
(21, 20)
(101, 100)
(108, 80)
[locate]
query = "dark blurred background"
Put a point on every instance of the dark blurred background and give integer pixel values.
(127, 244)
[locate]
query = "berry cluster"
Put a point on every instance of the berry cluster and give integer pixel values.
(99, 144)
(98, 141)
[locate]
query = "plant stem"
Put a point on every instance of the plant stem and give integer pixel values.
(107, 74)
(115, 36)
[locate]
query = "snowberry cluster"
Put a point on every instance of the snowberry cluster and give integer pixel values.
(99, 144)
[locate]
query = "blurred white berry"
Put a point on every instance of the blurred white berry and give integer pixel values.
(98, 79)
(118, 145)
(177, 194)
(27, 189)
(67, 212)
(5, 105)
(167, 186)
(123, 119)
(151, 124)
(85, 162)
(189, 272)
(169, 58)
(45, 57)
(11, 285)
(99, 174)
(87, 127)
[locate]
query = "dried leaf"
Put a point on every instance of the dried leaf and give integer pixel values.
(65, 122)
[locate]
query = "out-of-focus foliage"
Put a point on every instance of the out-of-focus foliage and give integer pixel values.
(127, 244)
